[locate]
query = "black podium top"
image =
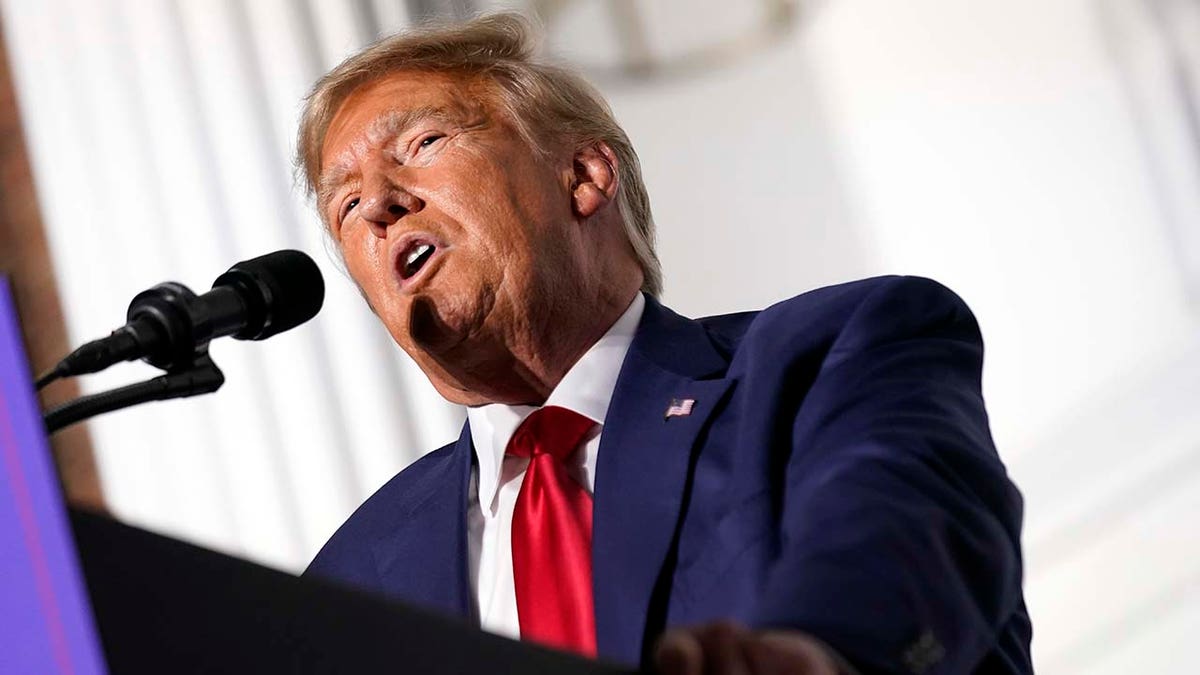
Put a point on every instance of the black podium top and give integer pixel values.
(166, 606)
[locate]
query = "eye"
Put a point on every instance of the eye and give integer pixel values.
(430, 140)
(347, 208)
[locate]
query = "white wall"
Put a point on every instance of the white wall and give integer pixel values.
(1031, 155)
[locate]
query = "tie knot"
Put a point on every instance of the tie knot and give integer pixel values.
(550, 430)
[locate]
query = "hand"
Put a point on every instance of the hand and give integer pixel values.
(726, 648)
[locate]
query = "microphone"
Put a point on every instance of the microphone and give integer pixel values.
(167, 325)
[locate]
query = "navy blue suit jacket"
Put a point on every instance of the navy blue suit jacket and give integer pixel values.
(836, 475)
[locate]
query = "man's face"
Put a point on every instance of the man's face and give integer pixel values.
(461, 236)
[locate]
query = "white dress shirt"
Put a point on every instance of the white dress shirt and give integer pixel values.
(586, 389)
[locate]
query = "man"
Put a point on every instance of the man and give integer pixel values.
(810, 488)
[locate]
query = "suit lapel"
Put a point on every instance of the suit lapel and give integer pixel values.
(424, 559)
(643, 469)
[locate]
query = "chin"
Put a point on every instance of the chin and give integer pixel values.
(455, 342)
(453, 386)
(429, 328)
(443, 318)
(459, 396)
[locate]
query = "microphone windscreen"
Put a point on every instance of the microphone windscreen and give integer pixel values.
(282, 290)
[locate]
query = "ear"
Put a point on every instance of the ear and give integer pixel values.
(595, 181)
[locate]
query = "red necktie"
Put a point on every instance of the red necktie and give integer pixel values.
(552, 535)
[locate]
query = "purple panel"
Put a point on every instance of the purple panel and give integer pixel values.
(46, 623)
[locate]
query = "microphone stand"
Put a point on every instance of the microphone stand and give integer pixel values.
(200, 376)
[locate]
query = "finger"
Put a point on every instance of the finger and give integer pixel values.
(679, 653)
(792, 652)
(722, 646)
(765, 659)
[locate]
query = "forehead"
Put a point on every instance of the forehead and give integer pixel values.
(376, 108)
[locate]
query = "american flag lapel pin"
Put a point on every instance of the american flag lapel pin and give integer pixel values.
(679, 407)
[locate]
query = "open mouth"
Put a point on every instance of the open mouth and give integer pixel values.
(414, 257)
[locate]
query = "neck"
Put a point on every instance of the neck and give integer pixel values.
(530, 364)
(563, 339)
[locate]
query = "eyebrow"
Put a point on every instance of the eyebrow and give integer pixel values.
(387, 125)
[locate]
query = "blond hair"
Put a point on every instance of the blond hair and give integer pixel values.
(540, 99)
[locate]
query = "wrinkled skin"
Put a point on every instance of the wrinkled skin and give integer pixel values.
(531, 266)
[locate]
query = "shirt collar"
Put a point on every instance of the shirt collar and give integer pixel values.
(587, 388)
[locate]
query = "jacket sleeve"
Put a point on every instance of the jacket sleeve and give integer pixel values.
(900, 541)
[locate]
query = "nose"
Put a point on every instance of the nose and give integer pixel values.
(383, 203)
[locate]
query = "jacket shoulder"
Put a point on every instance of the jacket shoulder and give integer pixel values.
(844, 316)
(348, 556)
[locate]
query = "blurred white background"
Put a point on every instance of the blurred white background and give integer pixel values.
(1041, 157)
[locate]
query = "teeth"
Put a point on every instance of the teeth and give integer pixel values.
(416, 259)
(417, 253)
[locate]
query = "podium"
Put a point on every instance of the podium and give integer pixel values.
(166, 606)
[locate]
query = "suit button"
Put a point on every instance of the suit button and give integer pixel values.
(925, 652)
